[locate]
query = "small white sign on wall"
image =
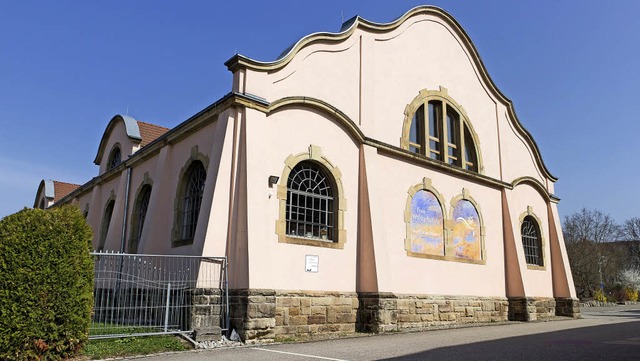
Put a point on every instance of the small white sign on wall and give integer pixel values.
(311, 263)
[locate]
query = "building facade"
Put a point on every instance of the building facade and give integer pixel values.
(373, 179)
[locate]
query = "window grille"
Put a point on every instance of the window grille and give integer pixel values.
(196, 177)
(310, 209)
(531, 241)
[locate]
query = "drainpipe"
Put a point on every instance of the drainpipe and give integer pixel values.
(126, 207)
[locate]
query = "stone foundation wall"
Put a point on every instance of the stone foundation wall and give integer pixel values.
(531, 308)
(306, 313)
(206, 314)
(252, 313)
(568, 307)
(384, 312)
(268, 315)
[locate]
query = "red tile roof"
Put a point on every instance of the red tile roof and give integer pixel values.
(61, 189)
(150, 132)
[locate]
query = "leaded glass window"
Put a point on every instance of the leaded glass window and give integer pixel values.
(531, 241)
(106, 220)
(194, 188)
(440, 131)
(114, 158)
(140, 213)
(310, 211)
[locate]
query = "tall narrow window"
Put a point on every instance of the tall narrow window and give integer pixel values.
(435, 126)
(104, 228)
(416, 136)
(470, 159)
(195, 178)
(310, 211)
(139, 215)
(531, 241)
(114, 158)
(438, 129)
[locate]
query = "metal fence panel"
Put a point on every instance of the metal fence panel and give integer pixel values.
(141, 294)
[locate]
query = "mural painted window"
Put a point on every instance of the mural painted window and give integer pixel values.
(193, 189)
(427, 224)
(139, 215)
(531, 241)
(310, 208)
(466, 236)
(104, 228)
(114, 158)
(439, 130)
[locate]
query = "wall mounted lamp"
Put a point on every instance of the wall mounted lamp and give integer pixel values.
(273, 180)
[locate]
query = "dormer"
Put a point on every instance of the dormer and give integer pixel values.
(123, 137)
(50, 191)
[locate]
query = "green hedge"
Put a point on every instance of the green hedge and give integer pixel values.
(46, 284)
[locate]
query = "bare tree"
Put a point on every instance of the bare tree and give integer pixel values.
(590, 225)
(631, 234)
(592, 262)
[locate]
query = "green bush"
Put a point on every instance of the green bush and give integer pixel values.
(46, 284)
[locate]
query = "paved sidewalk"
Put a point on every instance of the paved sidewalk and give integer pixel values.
(604, 333)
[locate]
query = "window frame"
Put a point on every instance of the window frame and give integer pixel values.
(449, 223)
(107, 217)
(531, 216)
(315, 156)
(434, 139)
(137, 219)
(177, 239)
(111, 160)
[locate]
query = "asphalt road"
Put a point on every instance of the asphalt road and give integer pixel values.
(604, 333)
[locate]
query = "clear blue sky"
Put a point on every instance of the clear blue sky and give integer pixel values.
(66, 67)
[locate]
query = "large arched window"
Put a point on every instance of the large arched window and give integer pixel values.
(139, 215)
(532, 241)
(106, 220)
(436, 127)
(190, 198)
(311, 211)
(115, 157)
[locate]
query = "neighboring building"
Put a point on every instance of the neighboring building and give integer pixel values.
(50, 191)
(373, 179)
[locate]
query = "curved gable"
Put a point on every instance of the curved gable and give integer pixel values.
(341, 42)
(51, 191)
(45, 193)
(132, 131)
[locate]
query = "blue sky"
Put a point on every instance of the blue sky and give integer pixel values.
(66, 67)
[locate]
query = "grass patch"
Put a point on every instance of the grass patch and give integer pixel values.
(106, 348)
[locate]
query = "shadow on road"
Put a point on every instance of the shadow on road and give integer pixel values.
(620, 341)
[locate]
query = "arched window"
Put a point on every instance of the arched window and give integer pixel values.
(311, 207)
(190, 199)
(114, 158)
(467, 234)
(426, 224)
(532, 241)
(436, 127)
(106, 220)
(139, 215)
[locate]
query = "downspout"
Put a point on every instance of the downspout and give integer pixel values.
(126, 208)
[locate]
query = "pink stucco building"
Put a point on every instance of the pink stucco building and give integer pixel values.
(373, 179)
